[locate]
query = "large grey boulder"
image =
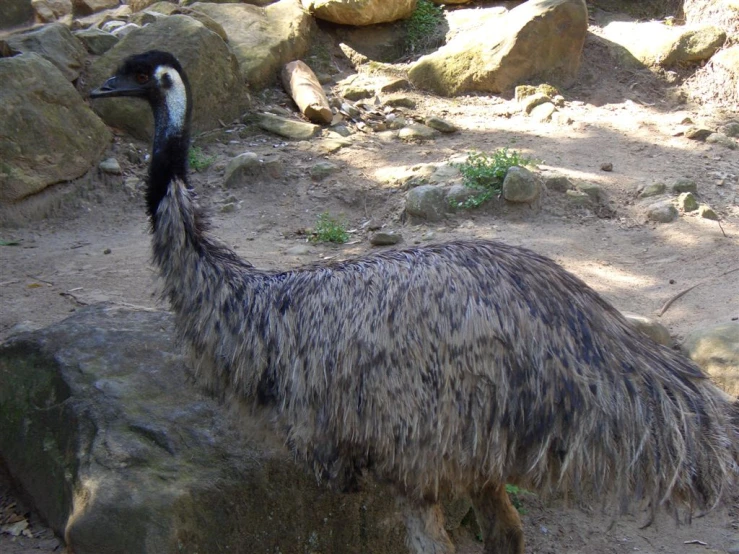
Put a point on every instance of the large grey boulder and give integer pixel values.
(263, 39)
(47, 133)
(15, 12)
(537, 39)
(54, 42)
(365, 12)
(212, 69)
(121, 454)
(716, 350)
(653, 43)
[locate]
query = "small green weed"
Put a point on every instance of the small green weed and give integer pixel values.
(422, 25)
(485, 173)
(198, 160)
(515, 493)
(329, 229)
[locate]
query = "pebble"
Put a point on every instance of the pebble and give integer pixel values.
(654, 189)
(228, 207)
(298, 250)
(107, 251)
(440, 125)
(543, 112)
(697, 133)
(687, 202)
(577, 197)
(722, 140)
(386, 238)
(685, 185)
(706, 212)
(662, 212)
(608, 166)
(322, 169)
(558, 183)
(111, 166)
(417, 132)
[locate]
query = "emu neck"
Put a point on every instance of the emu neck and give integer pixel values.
(170, 149)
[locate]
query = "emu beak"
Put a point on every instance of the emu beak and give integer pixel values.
(119, 86)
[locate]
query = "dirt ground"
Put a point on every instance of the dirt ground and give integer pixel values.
(94, 247)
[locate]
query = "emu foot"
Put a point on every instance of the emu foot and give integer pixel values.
(502, 531)
(424, 523)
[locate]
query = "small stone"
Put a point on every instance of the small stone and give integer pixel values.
(400, 102)
(687, 202)
(427, 202)
(228, 207)
(107, 251)
(322, 169)
(417, 132)
(558, 183)
(386, 238)
(650, 327)
(543, 112)
(722, 140)
(530, 102)
(697, 133)
(395, 85)
(355, 92)
(592, 190)
(111, 26)
(397, 123)
(521, 185)
(298, 250)
(662, 212)
(342, 130)
(97, 41)
(351, 110)
(731, 129)
(577, 197)
(111, 166)
(716, 350)
(559, 101)
(706, 212)
(685, 185)
(607, 166)
(440, 125)
(655, 189)
(288, 128)
(125, 30)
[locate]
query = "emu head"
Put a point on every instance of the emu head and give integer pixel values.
(158, 78)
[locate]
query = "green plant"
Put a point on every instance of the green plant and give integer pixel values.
(422, 25)
(485, 173)
(329, 229)
(515, 493)
(198, 160)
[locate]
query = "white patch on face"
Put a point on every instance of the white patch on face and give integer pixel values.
(175, 97)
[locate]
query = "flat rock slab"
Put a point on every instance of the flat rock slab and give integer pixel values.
(121, 453)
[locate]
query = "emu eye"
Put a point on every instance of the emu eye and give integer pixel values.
(142, 78)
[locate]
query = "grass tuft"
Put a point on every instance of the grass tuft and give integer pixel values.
(329, 229)
(485, 173)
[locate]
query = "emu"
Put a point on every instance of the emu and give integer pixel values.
(447, 369)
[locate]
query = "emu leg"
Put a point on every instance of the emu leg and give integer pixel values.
(502, 531)
(424, 523)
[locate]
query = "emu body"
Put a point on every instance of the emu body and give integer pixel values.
(445, 369)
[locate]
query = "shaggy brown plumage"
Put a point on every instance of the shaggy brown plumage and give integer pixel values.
(450, 368)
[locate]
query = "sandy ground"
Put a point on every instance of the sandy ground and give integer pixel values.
(95, 246)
